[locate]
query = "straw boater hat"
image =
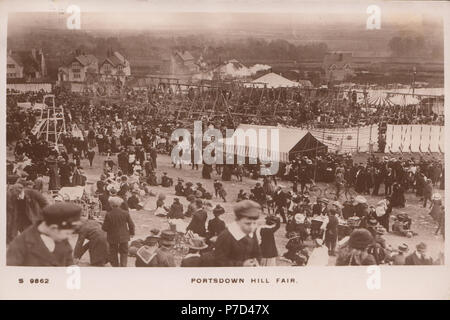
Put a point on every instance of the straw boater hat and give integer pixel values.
(197, 244)
(403, 247)
(167, 238)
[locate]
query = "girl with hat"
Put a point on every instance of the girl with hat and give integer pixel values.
(266, 236)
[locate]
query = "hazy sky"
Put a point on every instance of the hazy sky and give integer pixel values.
(141, 15)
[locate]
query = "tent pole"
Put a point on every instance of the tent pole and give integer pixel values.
(357, 141)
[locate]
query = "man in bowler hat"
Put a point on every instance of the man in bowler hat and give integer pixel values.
(119, 228)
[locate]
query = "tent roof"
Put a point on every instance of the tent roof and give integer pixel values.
(273, 80)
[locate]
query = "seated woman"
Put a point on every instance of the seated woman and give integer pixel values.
(134, 202)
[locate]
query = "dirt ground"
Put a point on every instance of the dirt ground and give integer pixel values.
(146, 220)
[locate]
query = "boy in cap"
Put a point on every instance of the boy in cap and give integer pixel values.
(237, 245)
(46, 244)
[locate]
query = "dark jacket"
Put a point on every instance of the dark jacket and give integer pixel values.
(268, 245)
(34, 203)
(118, 226)
(215, 227)
(280, 199)
(133, 202)
(230, 252)
(97, 244)
(176, 211)
(349, 257)
(29, 250)
(414, 260)
(198, 222)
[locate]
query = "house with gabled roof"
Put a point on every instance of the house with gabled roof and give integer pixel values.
(338, 65)
(115, 64)
(26, 66)
(180, 62)
(78, 68)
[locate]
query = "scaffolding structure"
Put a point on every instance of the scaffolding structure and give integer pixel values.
(51, 123)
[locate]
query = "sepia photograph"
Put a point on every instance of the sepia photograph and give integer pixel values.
(302, 138)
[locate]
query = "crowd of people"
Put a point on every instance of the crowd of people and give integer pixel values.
(129, 137)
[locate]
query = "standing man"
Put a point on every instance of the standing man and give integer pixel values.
(280, 200)
(119, 228)
(237, 245)
(46, 244)
(24, 208)
(153, 156)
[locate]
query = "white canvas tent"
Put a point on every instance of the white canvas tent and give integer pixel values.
(415, 138)
(275, 143)
(273, 80)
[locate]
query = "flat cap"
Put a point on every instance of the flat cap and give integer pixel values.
(248, 209)
(63, 214)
